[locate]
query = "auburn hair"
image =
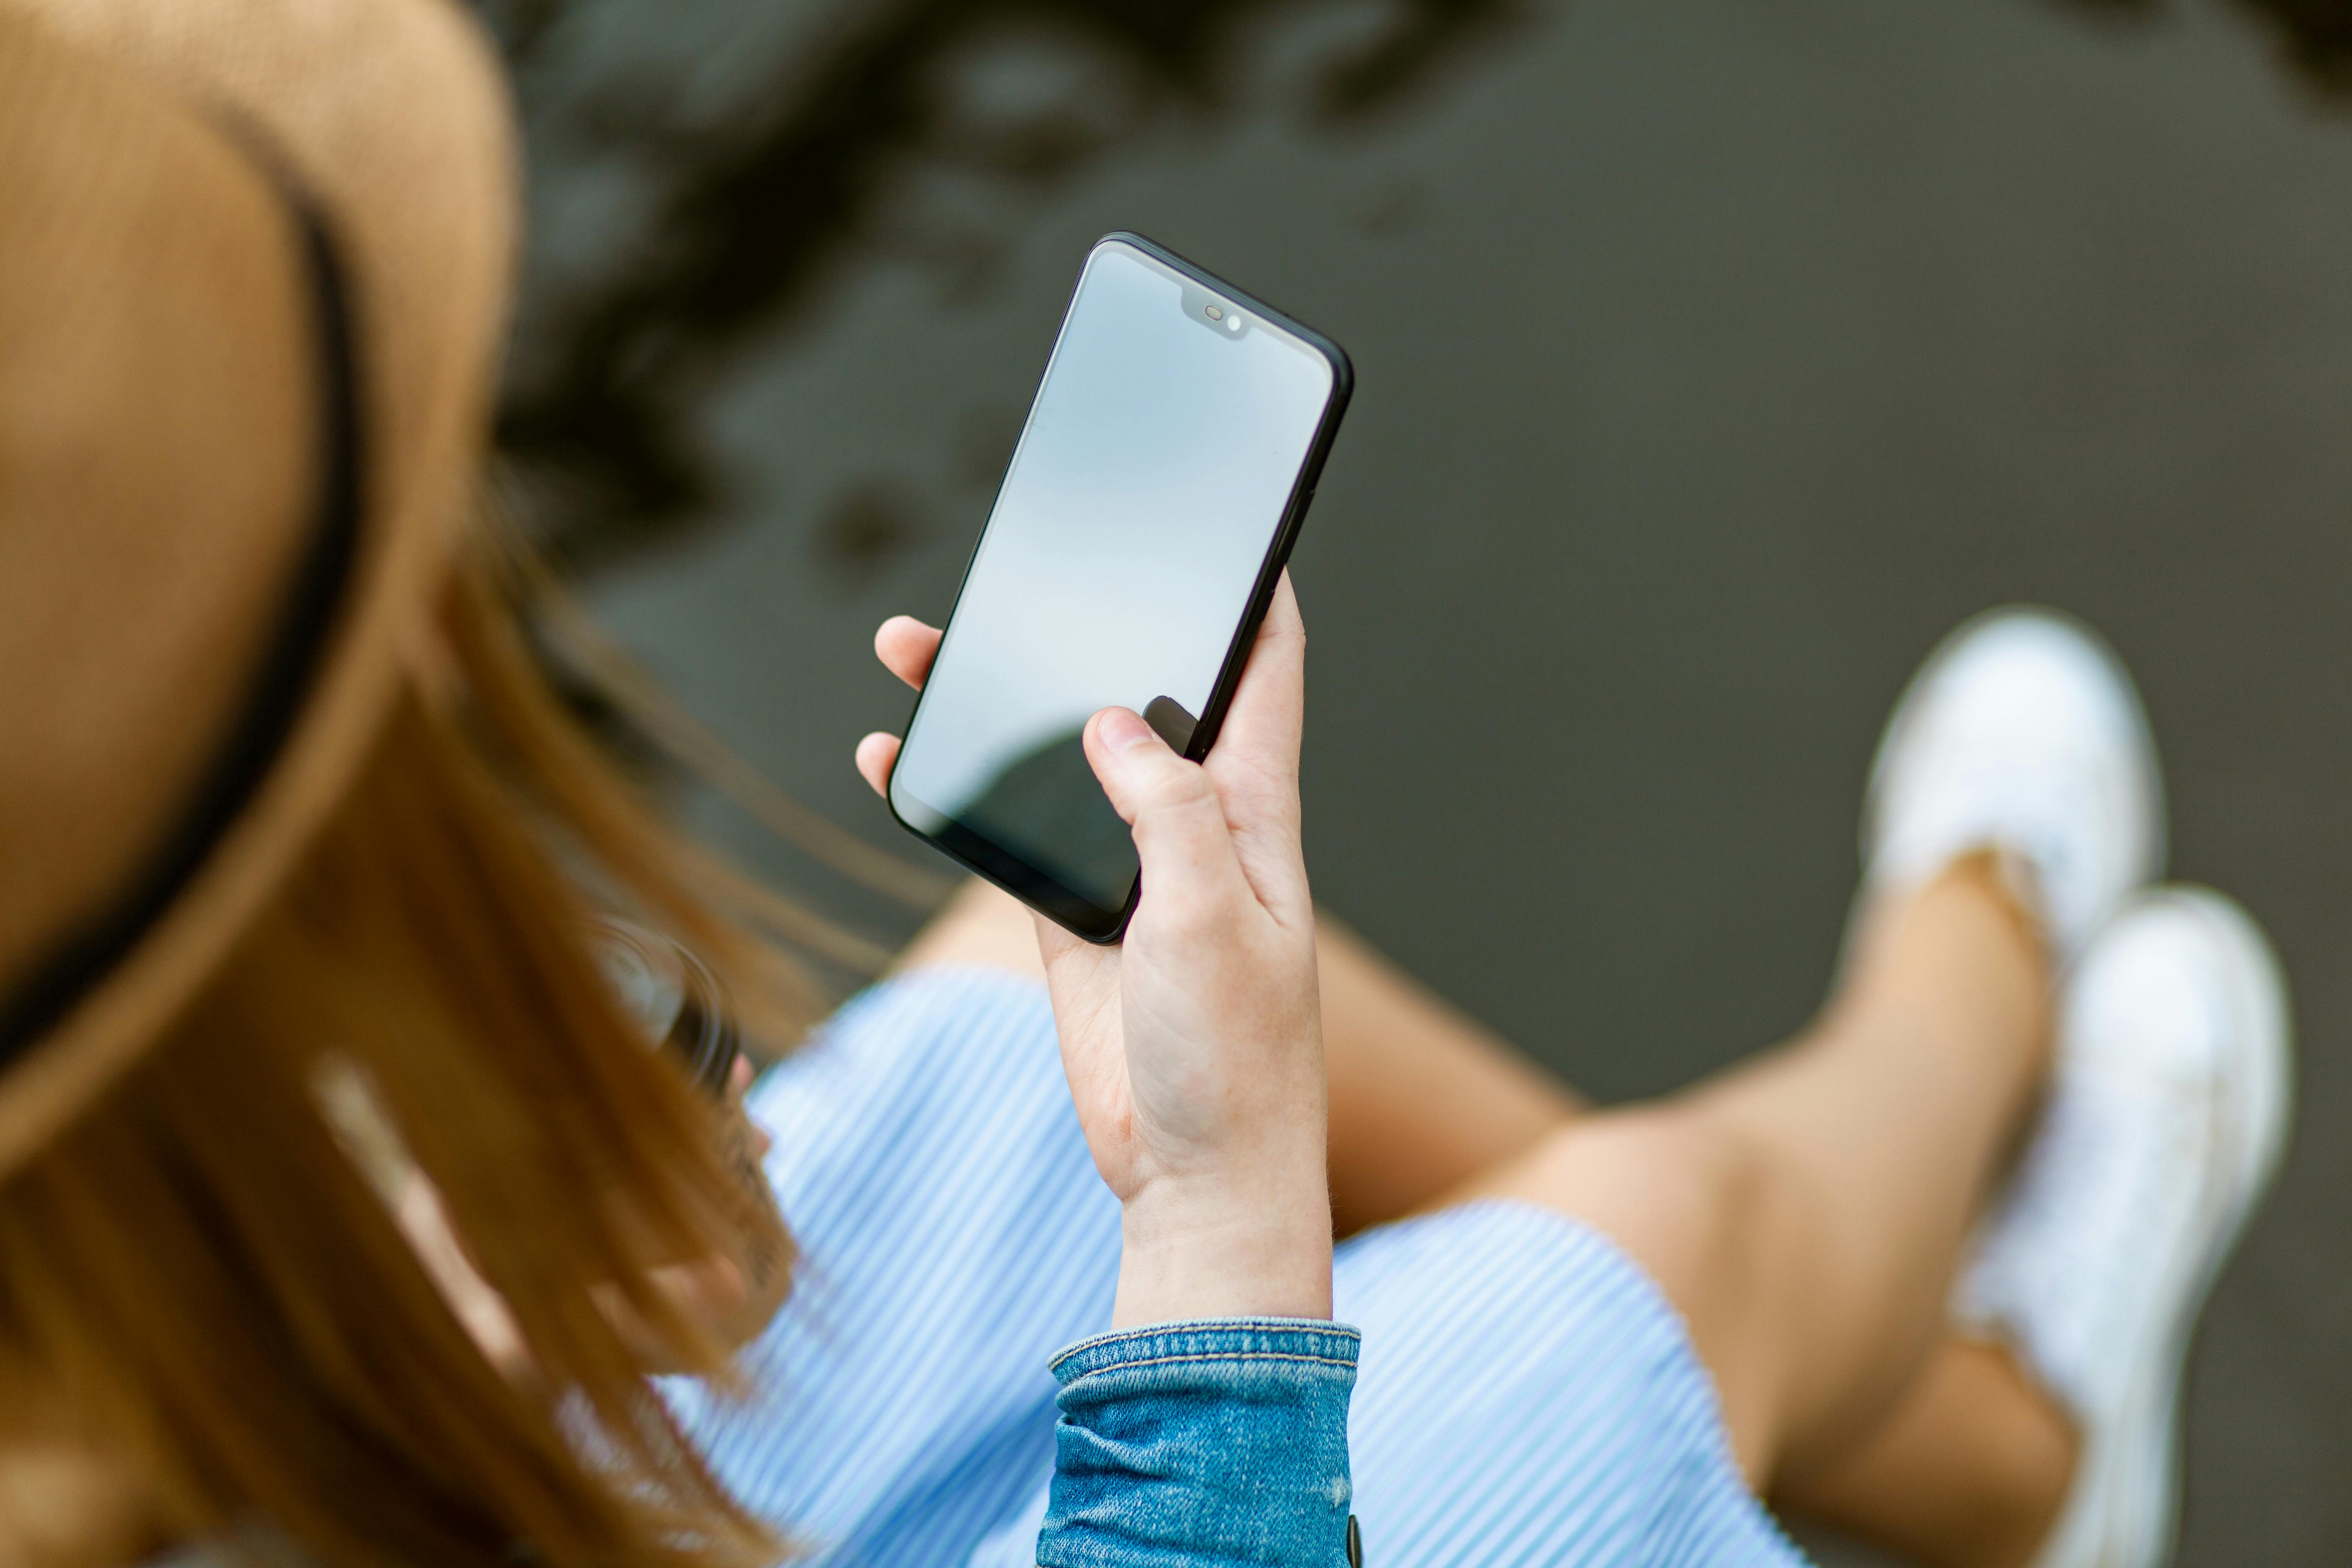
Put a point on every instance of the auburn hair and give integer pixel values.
(215, 1323)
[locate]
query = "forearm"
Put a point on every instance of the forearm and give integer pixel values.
(1254, 1244)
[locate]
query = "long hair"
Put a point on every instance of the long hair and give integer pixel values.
(214, 1314)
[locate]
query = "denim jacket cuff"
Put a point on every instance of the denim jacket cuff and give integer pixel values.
(1208, 1443)
(1218, 1339)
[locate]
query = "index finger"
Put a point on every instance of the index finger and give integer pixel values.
(906, 648)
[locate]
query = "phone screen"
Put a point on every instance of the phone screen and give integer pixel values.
(1127, 551)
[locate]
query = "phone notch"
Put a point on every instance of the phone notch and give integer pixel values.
(1214, 314)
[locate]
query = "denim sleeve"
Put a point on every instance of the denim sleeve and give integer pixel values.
(1213, 1444)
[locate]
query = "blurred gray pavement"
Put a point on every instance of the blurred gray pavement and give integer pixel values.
(1715, 358)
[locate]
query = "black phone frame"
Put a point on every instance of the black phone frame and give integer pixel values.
(1068, 908)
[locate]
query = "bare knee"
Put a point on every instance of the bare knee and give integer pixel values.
(1692, 1201)
(1711, 1215)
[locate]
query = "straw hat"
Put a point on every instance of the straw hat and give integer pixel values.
(253, 266)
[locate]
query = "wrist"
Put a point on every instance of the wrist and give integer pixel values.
(1190, 1252)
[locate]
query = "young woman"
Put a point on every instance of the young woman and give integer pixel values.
(345, 1212)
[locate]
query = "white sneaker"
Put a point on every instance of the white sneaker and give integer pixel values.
(2167, 1118)
(2022, 732)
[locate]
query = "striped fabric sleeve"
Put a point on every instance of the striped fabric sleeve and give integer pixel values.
(1212, 1443)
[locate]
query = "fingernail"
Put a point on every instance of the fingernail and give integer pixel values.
(1120, 729)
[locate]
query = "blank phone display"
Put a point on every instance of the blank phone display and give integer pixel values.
(1149, 486)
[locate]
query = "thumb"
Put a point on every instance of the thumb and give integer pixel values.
(1181, 832)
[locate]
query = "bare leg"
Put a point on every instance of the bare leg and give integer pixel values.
(1805, 1213)
(1968, 1465)
(1969, 1470)
(1422, 1098)
(979, 925)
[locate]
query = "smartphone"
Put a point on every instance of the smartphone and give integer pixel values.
(1156, 490)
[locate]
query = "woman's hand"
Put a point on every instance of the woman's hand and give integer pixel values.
(1195, 1049)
